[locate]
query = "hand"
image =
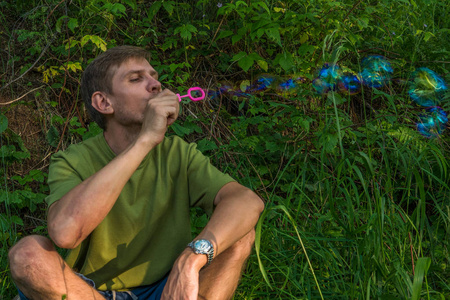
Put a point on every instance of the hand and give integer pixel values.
(161, 112)
(183, 280)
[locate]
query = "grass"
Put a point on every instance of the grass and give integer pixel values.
(357, 202)
(370, 229)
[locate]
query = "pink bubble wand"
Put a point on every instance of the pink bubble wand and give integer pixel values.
(189, 94)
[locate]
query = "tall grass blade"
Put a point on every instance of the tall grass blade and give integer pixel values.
(422, 266)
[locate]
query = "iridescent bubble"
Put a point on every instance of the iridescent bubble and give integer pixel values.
(289, 85)
(433, 122)
(262, 83)
(376, 71)
(224, 88)
(426, 87)
(327, 78)
(349, 83)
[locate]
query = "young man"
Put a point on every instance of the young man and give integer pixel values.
(120, 201)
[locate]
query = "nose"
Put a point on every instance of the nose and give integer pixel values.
(153, 85)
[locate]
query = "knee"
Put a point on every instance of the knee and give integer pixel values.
(29, 253)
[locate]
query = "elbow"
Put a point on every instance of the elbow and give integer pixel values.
(260, 204)
(257, 202)
(64, 236)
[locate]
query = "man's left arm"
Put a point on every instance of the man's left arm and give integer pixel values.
(236, 214)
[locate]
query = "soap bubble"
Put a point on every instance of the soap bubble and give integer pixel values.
(433, 122)
(288, 85)
(262, 83)
(224, 88)
(376, 71)
(426, 87)
(349, 83)
(327, 78)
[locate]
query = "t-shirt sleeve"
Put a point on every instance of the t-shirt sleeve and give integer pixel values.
(61, 178)
(204, 180)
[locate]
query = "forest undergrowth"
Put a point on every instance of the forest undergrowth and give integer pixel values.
(357, 199)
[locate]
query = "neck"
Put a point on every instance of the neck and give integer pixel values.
(120, 138)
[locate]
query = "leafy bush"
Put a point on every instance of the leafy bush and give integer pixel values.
(357, 202)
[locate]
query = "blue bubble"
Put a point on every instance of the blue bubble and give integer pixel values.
(426, 88)
(349, 83)
(262, 83)
(433, 122)
(289, 85)
(376, 71)
(225, 88)
(327, 78)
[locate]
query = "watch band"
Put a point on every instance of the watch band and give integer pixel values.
(203, 247)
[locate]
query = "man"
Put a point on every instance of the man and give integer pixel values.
(120, 201)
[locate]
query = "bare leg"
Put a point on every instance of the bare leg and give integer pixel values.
(220, 279)
(40, 272)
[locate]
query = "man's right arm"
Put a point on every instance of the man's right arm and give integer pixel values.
(73, 217)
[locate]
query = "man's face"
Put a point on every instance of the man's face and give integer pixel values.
(134, 83)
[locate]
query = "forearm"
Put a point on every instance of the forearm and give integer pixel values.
(72, 218)
(235, 215)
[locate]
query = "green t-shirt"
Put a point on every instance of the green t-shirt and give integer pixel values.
(149, 225)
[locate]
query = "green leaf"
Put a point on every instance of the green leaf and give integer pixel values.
(286, 61)
(274, 34)
(186, 31)
(168, 6)
(235, 38)
(99, 42)
(239, 56)
(3, 123)
(93, 130)
(239, 3)
(272, 146)
(118, 9)
(73, 66)
(244, 85)
(205, 145)
(263, 64)
(422, 266)
(85, 39)
(16, 220)
(427, 36)
(72, 24)
(258, 236)
(130, 3)
(263, 5)
(246, 62)
(224, 34)
(304, 38)
(53, 137)
(328, 141)
(180, 130)
(154, 9)
(59, 23)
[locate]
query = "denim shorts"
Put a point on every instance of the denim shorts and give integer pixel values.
(147, 292)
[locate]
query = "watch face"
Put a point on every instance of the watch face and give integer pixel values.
(202, 245)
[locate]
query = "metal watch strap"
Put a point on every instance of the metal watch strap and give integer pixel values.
(209, 254)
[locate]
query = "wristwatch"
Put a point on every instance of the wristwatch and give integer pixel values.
(203, 247)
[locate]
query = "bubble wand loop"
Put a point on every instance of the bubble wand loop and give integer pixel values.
(189, 94)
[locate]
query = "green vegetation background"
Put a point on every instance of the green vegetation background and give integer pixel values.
(357, 201)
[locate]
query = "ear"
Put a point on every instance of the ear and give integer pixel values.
(102, 103)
